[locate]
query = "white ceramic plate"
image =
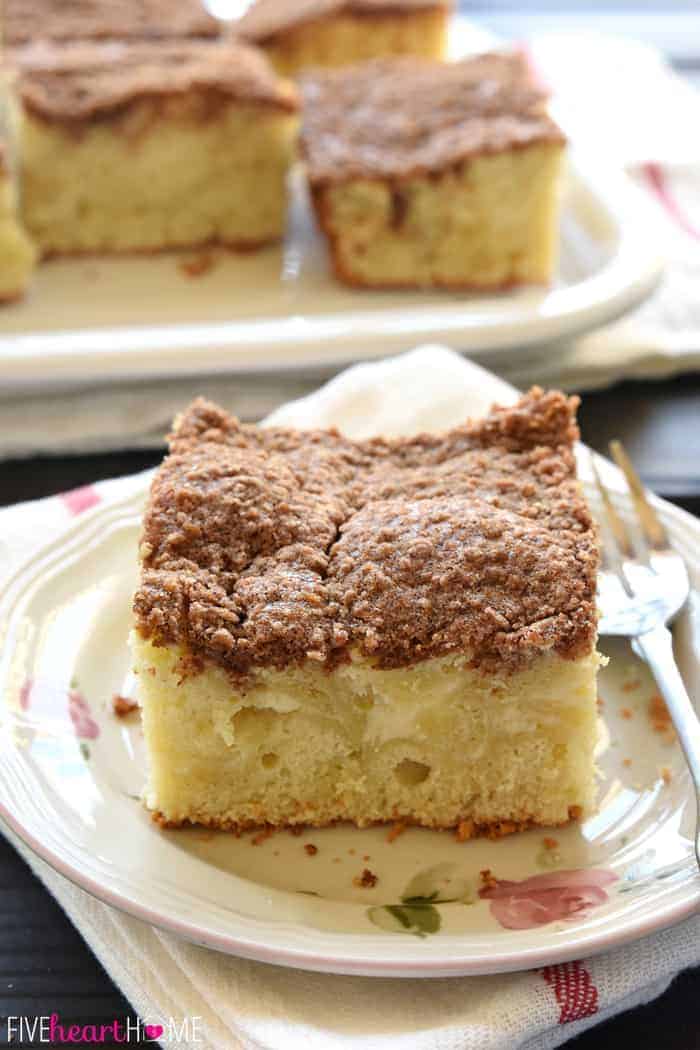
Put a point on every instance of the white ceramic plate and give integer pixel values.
(101, 319)
(71, 773)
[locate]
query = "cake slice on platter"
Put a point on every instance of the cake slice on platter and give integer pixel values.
(369, 631)
(142, 147)
(434, 174)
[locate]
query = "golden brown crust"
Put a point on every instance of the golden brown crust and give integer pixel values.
(269, 547)
(353, 280)
(7, 298)
(400, 117)
(70, 20)
(494, 830)
(239, 247)
(194, 79)
(269, 19)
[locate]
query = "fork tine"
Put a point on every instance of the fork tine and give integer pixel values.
(611, 553)
(617, 526)
(653, 530)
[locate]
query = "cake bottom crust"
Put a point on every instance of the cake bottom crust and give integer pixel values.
(240, 247)
(464, 829)
(7, 298)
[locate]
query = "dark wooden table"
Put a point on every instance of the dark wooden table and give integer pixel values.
(44, 964)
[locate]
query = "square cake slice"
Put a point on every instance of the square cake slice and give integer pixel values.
(130, 147)
(432, 174)
(340, 32)
(369, 631)
(24, 21)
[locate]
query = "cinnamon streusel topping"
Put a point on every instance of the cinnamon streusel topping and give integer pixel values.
(267, 19)
(397, 117)
(95, 81)
(25, 20)
(268, 547)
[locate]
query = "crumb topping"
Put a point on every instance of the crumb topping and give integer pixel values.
(400, 117)
(269, 547)
(395, 831)
(25, 20)
(465, 830)
(198, 265)
(267, 19)
(187, 78)
(659, 714)
(366, 881)
(123, 706)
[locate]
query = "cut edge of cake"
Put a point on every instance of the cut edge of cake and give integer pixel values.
(236, 760)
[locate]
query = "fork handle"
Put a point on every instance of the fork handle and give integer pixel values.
(656, 647)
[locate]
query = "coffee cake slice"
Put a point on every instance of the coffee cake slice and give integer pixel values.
(341, 32)
(369, 631)
(150, 146)
(434, 174)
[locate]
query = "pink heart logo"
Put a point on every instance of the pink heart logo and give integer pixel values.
(153, 1031)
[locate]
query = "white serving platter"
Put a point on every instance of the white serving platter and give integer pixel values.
(102, 319)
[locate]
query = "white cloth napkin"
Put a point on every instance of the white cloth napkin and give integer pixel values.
(242, 1005)
(634, 112)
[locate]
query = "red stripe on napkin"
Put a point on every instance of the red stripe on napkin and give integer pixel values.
(575, 992)
(78, 500)
(656, 177)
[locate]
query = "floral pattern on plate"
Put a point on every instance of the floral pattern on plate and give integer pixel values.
(541, 899)
(516, 905)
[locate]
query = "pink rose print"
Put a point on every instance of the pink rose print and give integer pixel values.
(25, 694)
(83, 723)
(78, 500)
(544, 898)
